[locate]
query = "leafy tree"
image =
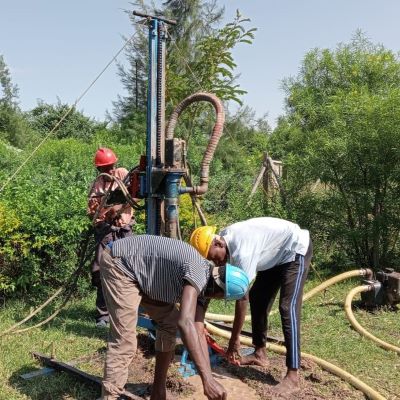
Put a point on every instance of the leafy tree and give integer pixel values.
(43, 213)
(9, 91)
(199, 58)
(339, 140)
(214, 66)
(245, 140)
(13, 128)
(44, 117)
(196, 19)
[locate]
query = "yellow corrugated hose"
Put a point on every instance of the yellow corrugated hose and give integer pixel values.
(335, 279)
(357, 383)
(357, 326)
(311, 293)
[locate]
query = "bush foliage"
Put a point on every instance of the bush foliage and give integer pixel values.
(338, 141)
(43, 215)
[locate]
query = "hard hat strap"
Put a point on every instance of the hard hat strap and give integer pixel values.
(217, 278)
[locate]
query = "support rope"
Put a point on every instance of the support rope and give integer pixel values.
(129, 40)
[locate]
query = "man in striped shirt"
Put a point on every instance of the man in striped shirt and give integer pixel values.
(157, 273)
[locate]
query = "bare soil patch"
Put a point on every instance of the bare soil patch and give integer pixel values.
(315, 383)
(249, 382)
(141, 371)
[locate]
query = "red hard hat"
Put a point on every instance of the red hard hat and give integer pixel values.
(104, 156)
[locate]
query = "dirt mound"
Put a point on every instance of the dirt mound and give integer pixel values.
(141, 372)
(237, 390)
(250, 383)
(315, 383)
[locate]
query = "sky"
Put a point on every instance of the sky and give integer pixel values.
(55, 48)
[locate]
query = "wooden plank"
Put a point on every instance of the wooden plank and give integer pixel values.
(258, 179)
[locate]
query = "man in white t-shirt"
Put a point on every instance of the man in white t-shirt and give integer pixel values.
(277, 253)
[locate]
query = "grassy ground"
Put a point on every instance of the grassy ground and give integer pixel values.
(326, 333)
(73, 334)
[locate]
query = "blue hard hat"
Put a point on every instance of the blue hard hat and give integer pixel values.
(234, 282)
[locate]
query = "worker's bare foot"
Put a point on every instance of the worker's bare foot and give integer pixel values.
(259, 357)
(289, 386)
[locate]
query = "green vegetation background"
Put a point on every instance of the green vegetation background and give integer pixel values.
(338, 139)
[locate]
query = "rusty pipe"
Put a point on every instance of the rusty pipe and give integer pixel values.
(212, 143)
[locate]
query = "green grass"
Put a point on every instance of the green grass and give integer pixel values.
(326, 333)
(73, 334)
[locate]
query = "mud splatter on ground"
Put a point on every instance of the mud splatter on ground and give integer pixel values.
(243, 382)
(316, 384)
(236, 389)
(141, 371)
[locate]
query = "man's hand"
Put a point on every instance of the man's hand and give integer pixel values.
(92, 205)
(113, 216)
(213, 390)
(190, 323)
(233, 352)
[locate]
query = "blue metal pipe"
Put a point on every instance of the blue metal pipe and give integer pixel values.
(172, 181)
(151, 134)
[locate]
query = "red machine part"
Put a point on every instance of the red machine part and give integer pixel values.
(217, 348)
(134, 183)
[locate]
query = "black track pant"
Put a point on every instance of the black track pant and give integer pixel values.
(290, 278)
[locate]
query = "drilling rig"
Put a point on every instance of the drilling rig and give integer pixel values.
(159, 176)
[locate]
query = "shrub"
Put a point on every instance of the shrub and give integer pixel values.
(43, 216)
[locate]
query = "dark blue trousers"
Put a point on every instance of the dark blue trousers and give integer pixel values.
(289, 278)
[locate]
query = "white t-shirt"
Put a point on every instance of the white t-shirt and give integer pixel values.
(262, 243)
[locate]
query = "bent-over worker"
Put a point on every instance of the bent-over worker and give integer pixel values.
(277, 253)
(157, 273)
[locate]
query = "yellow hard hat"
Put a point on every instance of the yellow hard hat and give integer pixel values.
(202, 238)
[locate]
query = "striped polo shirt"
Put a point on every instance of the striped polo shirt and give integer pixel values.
(161, 265)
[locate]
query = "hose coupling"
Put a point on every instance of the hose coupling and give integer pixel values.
(367, 273)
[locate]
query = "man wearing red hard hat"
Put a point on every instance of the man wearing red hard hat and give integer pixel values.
(111, 223)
